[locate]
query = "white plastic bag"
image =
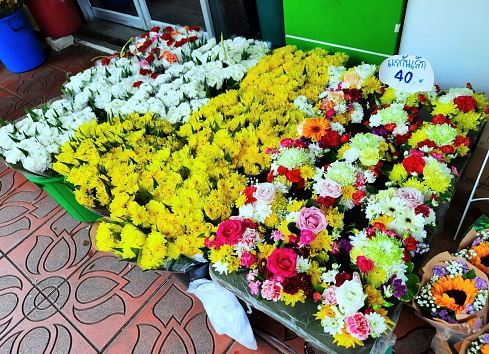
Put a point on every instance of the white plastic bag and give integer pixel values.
(226, 314)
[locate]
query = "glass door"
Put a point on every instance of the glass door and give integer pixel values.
(125, 12)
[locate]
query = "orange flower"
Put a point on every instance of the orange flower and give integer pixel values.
(485, 349)
(445, 289)
(482, 250)
(315, 128)
(169, 56)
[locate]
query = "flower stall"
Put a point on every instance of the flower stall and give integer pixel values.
(311, 189)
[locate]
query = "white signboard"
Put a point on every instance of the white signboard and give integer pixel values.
(408, 73)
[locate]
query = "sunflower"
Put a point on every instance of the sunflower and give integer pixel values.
(315, 128)
(480, 259)
(454, 293)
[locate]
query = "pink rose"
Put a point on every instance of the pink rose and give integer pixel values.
(357, 326)
(265, 192)
(311, 219)
(411, 196)
(327, 188)
(229, 232)
(271, 290)
(282, 262)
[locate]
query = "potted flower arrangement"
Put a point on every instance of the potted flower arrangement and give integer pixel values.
(15, 29)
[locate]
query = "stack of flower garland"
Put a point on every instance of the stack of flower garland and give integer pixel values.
(168, 189)
(171, 72)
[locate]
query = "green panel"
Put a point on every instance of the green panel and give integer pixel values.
(365, 25)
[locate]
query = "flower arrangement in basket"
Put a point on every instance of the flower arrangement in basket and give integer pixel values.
(453, 298)
(8, 7)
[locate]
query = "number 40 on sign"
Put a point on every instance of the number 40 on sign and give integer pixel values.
(408, 73)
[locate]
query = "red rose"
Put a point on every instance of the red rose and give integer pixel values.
(137, 84)
(344, 138)
(105, 61)
(414, 164)
(410, 243)
(144, 71)
(326, 201)
(168, 29)
(465, 103)
(407, 256)
(229, 232)
(154, 75)
(144, 35)
(486, 110)
(166, 36)
(401, 139)
(422, 98)
(155, 29)
(150, 58)
(282, 262)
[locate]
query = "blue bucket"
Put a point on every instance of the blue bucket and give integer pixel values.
(20, 49)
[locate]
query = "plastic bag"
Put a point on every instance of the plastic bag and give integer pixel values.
(226, 314)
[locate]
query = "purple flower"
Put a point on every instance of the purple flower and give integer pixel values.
(399, 288)
(440, 271)
(480, 283)
(470, 308)
(380, 131)
(464, 265)
(486, 338)
(346, 245)
(476, 241)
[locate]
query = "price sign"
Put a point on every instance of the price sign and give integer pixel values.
(408, 73)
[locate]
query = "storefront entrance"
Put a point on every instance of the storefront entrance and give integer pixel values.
(216, 17)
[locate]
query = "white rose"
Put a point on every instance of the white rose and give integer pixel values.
(327, 188)
(411, 196)
(265, 192)
(350, 297)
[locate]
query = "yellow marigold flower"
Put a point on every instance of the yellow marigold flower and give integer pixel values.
(383, 220)
(371, 85)
(153, 254)
(105, 237)
(347, 192)
(265, 249)
(292, 299)
(416, 183)
(131, 238)
(374, 295)
(345, 339)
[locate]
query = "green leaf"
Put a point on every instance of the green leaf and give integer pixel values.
(387, 304)
(470, 274)
(3, 123)
(410, 267)
(412, 285)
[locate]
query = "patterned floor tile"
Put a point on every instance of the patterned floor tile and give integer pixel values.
(39, 86)
(23, 210)
(105, 293)
(74, 59)
(56, 248)
(11, 106)
(173, 322)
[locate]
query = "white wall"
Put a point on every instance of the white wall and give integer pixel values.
(453, 35)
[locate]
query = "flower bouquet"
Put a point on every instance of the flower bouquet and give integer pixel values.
(453, 298)
(475, 344)
(475, 248)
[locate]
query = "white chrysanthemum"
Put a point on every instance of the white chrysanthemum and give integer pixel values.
(357, 113)
(302, 264)
(333, 325)
(351, 155)
(376, 323)
(293, 157)
(302, 104)
(455, 92)
(329, 276)
(221, 267)
(338, 127)
(441, 134)
(341, 172)
(246, 211)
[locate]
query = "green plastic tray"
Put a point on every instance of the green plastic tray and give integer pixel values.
(63, 194)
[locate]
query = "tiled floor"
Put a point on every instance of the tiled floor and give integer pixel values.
(59, 295)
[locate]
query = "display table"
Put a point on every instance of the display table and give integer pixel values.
(300, 318)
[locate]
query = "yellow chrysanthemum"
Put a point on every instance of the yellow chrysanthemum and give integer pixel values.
(292, 299)
(398, 173)
(345, 339)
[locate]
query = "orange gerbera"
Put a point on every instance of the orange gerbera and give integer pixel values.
(485, 349)
(169, 56)
(315, 128)
(482, 250)
(454, 293)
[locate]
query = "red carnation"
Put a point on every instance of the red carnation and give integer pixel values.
(401, 139)
(407, 256)
(295, 177)
(340, 278)
(414, 164)
(422, 98)
(249, 194)
(423, 210)
(410, 243)
(326, 201)
(447, 149)
(390, 127)
(358, 196)
(486, 110)
(331, 138)
(282, 170)
(344, 138)
(465, 103)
